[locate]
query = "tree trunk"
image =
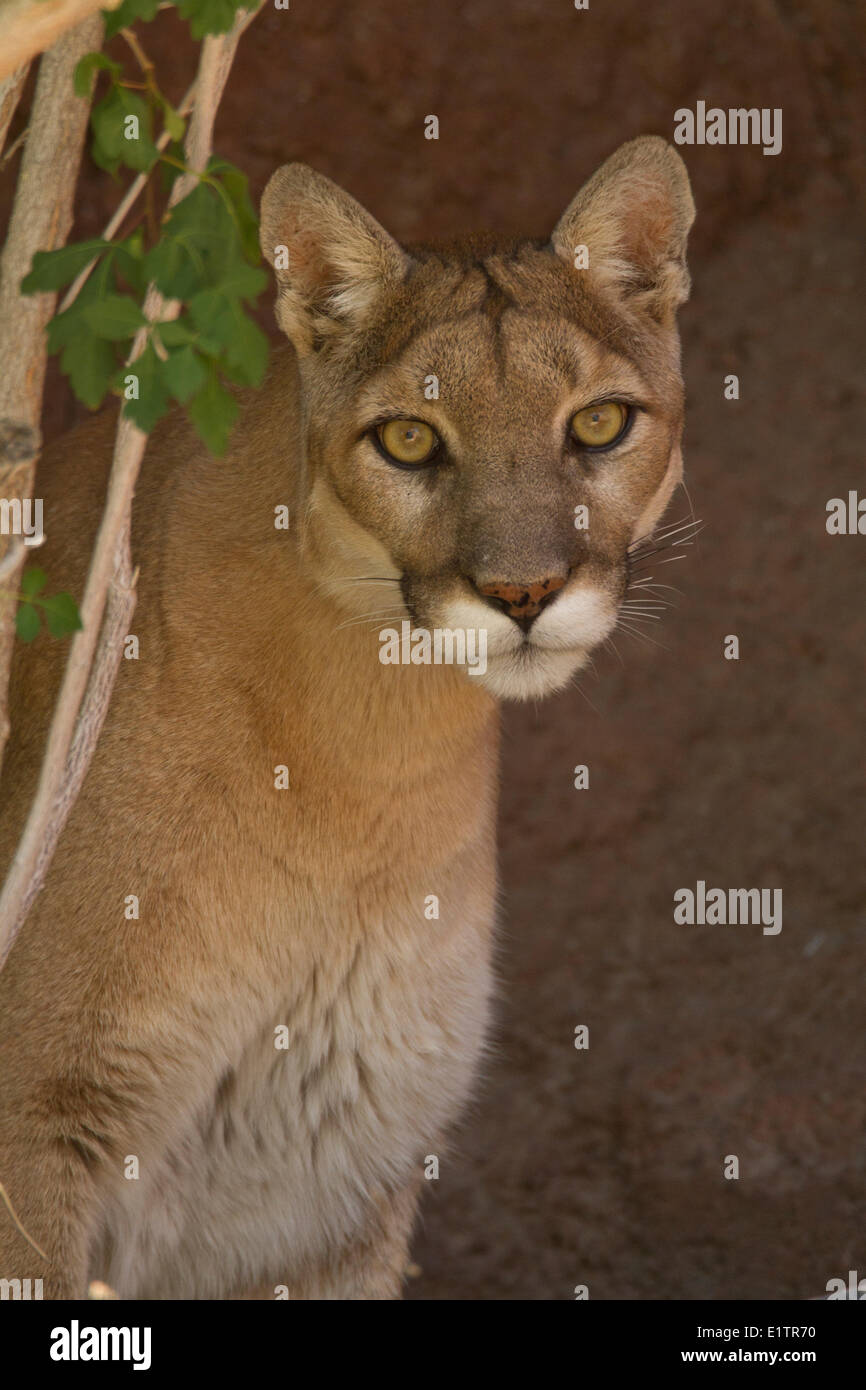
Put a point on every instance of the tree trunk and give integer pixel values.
(40, 221)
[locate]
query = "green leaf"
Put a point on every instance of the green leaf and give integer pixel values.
(203, 220)
(130, 261)
(33, 581)
(168, 171)
(82, 78)
(179, 332)
(26, 622)
(87, 359)
(61, 614)
(246, 356)
(51, 270)
(175, 332)
(214, 315)
(183, 373)
(106, 122)
(137, 152)
(244, 346)
(236, 186)
(213, 413)
(64, 329)
(209, 16)
(134, 244)
(126, 14)
(153, 399)
(243, 281)
(172, 119)
(111, 123)
(70, 327)
(116, 317)
(89, 363)
(172, 266)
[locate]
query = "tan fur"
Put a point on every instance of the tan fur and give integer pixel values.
(306, 907)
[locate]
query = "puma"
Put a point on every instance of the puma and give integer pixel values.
(252, 996)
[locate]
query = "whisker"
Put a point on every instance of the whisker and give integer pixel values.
(665, 538)
(688, 497)
(641, 557)
(689, 540)
(642, 636)
(647, 584)
(675, 523)
(364, 579)
(382, 616)
(625, 627)
(582, 692)
(675, 528)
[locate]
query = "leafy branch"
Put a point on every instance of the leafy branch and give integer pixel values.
(205, 255)
(206, 258)
(179, 301)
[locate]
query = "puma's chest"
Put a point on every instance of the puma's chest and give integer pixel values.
(345, 1082)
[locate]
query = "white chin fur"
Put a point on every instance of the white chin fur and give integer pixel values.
(530, 673)
(561, 640)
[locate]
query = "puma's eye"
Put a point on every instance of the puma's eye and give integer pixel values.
(599, 425)
(408, 441)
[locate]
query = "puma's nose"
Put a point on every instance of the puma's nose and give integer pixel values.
(522, 602)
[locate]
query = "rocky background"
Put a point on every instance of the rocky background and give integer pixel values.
(604, 1167)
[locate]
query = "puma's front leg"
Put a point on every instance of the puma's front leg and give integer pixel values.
(50, 1193)
(372, 1267)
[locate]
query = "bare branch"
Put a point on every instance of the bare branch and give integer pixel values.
(12, 559)
(78, 716)
(13, 148)
(40, 221)
(10, 90)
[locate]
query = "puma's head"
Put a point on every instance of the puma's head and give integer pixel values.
(489, 427)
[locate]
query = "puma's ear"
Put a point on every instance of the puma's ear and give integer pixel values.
(633, 217)
(332, 259)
